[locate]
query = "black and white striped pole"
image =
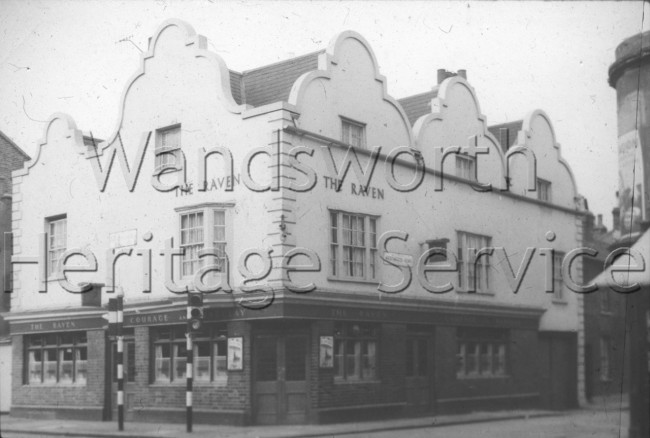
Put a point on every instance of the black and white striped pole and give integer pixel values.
(120, 362)
(189, 368)
(194, 322)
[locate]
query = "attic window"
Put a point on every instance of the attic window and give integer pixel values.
(353, 133)
(543, 190)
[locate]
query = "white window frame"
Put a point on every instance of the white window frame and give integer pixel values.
(347, 134)
(210, 238)
(57, 244)
(482, 265)
(168, 159)
(338, 245)
(466, 167)
(543, 188)
(488, 353)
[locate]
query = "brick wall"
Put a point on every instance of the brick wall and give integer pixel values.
(59, 400)
(519, 387)
(162, 402)
(390, 385)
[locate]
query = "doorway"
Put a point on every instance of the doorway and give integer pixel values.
(280, 373)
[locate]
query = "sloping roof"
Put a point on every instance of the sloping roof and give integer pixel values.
(418, 105)
(270, 83)
(642, 246)
(506, 133)
(14, 145)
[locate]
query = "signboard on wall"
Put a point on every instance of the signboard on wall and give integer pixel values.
(235, 354)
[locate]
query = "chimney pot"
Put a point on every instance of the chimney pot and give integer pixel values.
(442, 75)
(616, 215)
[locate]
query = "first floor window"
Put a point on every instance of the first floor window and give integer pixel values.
(204, 229)
(473, 276)
(355, 352)
(481, 353)
(57, 358)
(209, 355)
(353, 245)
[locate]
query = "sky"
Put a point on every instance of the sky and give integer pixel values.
(76, 57)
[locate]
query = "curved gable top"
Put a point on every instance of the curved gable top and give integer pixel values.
(58, 125)
(446, 100)
(192, 41)
(527, 133)
(335, 57)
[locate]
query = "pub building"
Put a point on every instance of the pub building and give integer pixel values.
(316, 320)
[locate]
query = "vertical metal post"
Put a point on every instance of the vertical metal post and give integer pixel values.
(120, 364)
(189, 369)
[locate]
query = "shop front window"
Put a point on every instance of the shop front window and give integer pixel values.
(209, 355)
(57, 358)
(355, 352)
(481, 353)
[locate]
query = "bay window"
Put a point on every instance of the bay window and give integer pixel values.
(204, 227)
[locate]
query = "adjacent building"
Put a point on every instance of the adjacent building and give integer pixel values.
(12, 158)
(326, 311)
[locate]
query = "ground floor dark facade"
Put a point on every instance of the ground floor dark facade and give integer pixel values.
(316, 358)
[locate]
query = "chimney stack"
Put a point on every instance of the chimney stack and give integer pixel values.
(616, 215)
(462, 73)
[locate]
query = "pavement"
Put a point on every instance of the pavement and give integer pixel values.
(12, 426)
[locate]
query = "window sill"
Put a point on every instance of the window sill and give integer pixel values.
(560, 302)
(353, 280)
(183, 382)
(607, 313)
(506, 376)
(56, 384)
(476, 292)
(356, 382)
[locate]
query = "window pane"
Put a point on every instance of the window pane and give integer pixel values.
(35, 366)
(81, 363)
(180, 361)
(65, 360)
(50, 366)
(369, 360)
(202, 361)
(339, 357)
(220, 359)
(163, 360)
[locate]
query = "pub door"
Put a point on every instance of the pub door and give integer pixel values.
(418, 374)
(280, 373)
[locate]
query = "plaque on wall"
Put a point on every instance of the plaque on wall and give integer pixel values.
(327, 352)
(235, 354)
